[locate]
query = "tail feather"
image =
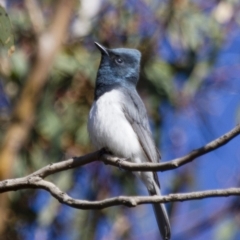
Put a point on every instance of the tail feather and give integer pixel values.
(161, 212)
(152, 183)
(162, 220)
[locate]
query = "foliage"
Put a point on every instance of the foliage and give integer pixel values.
(182, 75)
(6, 38)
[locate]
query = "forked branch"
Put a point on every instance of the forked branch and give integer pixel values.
(36, 179)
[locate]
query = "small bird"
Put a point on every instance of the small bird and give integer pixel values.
(118, 120)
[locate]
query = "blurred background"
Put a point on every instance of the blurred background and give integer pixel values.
(189, 83)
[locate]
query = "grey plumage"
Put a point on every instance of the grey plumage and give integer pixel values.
(118, 119)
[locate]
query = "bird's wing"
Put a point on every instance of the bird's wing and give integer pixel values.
(135, 113)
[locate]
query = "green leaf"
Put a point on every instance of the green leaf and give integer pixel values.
(160, 74)
(6, 34)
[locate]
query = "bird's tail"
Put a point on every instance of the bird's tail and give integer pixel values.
(162, 220)
(161, 215)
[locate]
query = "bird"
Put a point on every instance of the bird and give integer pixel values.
(118, 120)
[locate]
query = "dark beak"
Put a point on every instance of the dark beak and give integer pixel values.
(102, 49)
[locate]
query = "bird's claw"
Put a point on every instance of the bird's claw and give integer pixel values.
(106, 151)
(119, 161)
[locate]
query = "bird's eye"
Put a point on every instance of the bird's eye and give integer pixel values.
(118, 60)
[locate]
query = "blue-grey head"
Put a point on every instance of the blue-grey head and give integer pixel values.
(119, 67)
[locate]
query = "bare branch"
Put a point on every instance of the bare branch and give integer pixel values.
(67, 164)
(129, 201)
(36, 179)
(175, 163)
(115, 161)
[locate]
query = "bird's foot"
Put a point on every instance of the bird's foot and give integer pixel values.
(119, 161)
(105, 151)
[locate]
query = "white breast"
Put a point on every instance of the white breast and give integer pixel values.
(109, 128)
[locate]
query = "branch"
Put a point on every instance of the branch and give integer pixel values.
(36, 179)
(115, 161)
(175, 163)
(131, 201)
(118, 162)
